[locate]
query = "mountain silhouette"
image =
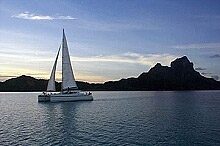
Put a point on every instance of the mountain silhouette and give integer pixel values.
(181, 75)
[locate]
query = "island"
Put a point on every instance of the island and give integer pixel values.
(181, 75)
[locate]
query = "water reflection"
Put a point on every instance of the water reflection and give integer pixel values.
(60, 121)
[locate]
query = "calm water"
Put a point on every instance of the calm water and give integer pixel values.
(113, 118)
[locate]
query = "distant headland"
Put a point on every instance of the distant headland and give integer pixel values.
(181, 75)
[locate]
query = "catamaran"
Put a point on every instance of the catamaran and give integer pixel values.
(69, 89)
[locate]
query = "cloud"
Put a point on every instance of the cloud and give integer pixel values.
(215, 77)
(30, 16)
(215, 56)
(130, 57)
(209, 20)
(5, 77)
(94, 25)
(206, 73)
(65, 17)
(97, 68)
(198, 46)
(199, 68)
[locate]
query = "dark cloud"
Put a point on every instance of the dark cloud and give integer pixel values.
(206, 73)
(215, 56)
(1, 76)
(199, 68)
(215, 77)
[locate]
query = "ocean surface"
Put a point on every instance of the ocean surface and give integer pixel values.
(113, 118)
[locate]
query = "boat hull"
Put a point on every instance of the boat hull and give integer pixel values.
(43, 98)
(70, 98)
(64, 98)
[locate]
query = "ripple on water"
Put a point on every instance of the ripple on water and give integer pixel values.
(113, 118)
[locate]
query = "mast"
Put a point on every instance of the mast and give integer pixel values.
(51, 83)
(68, 80)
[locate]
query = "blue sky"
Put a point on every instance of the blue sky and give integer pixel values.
(108, 40)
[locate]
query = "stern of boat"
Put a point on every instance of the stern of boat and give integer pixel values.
(43, 98)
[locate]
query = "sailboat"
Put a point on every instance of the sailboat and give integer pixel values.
(69, 89)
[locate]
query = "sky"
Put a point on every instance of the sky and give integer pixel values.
(108, 40)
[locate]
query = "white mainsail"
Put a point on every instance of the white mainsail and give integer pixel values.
(68, 80)
(51, 83)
